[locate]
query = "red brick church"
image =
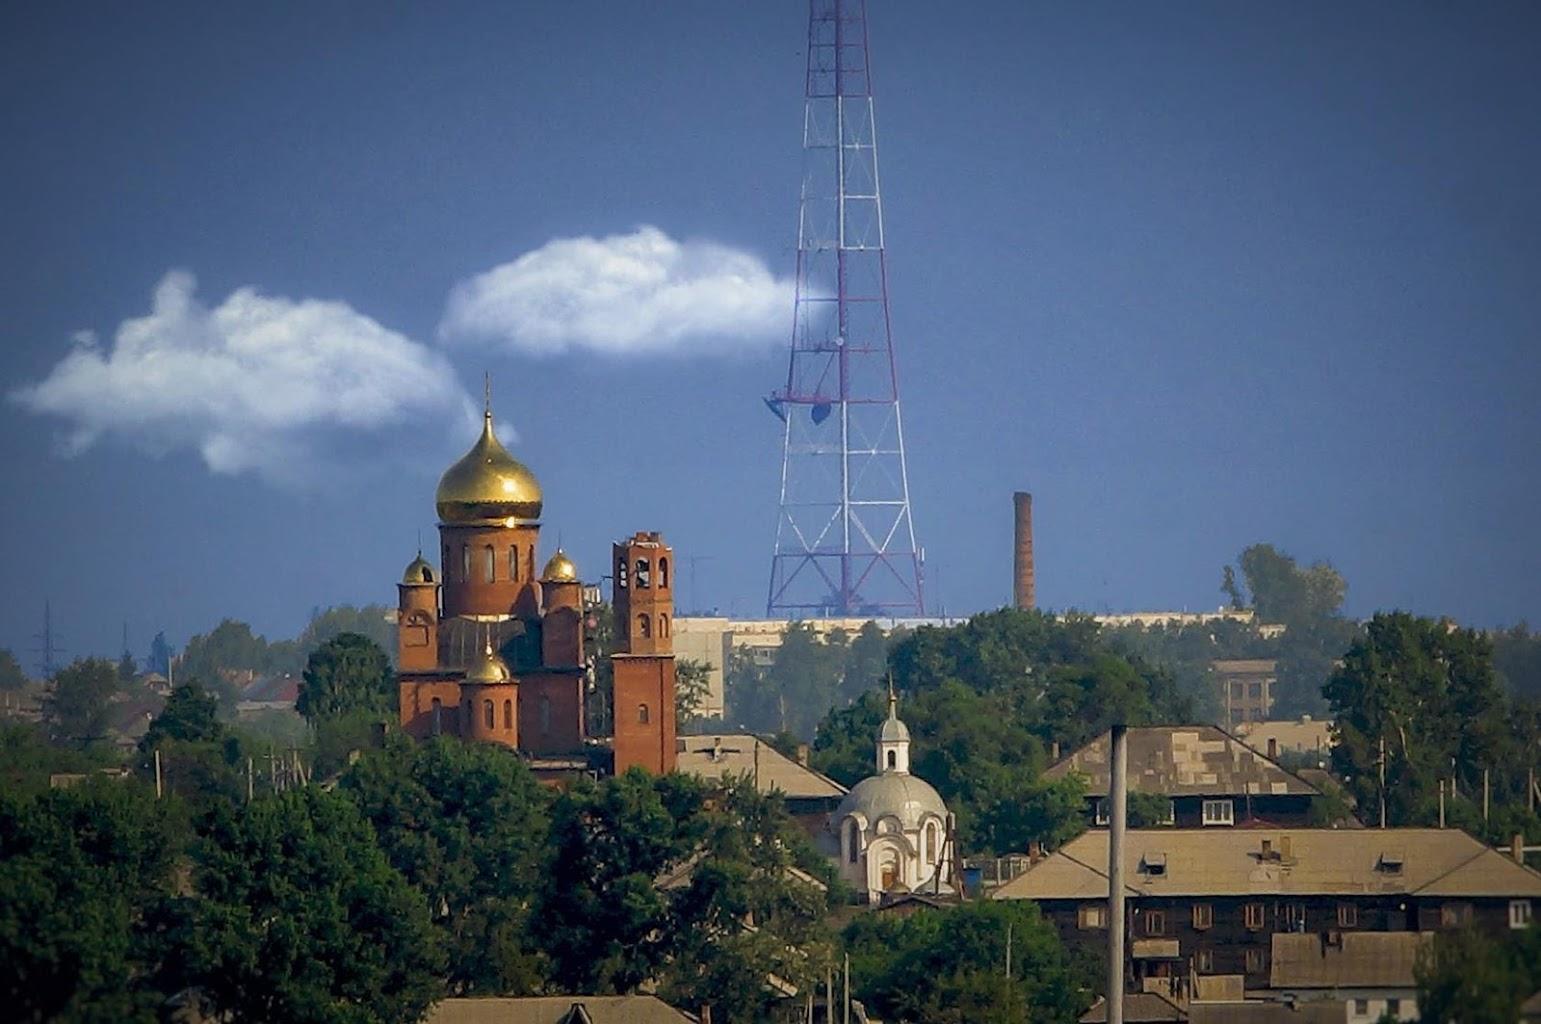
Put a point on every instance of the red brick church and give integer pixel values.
(494, 651)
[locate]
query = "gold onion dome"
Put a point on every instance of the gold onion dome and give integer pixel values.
(489, 670)
(419, 571)
(488, 486)
(560, 569)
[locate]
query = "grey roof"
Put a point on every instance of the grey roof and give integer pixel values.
(1138, 1007)
(1184, 760)
(1355, 960)
(894, 731)
(717, 754)
(1317, 1011)
(900, 794)
(1297, 862)
(558, 1010)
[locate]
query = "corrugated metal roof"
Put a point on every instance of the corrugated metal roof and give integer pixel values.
(1184, 760)
(1299, 862)
(1353, 960)
(713, 755)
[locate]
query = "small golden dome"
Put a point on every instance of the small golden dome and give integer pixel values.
(560, 569)
(488, 485)
(419, 572)
(489, 670)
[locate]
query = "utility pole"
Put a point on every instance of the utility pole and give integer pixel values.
(846, 1016)
(1382, 761)
(159, 791)
(1441, 803)
(1118, 800)
(1487, 795)
(1008, 951)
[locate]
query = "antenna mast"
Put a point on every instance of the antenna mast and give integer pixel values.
(47, 643)
(845, 540)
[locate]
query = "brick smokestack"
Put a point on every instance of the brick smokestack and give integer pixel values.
(1024, 585)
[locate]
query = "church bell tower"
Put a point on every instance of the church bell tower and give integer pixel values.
(644, 654)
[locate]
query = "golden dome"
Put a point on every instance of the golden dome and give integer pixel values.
(488, 485)
(489, 670)
(560, 569)
(419, 571)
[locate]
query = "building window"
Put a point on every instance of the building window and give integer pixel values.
(1361, 1007)
(1454, 915)
(1238, 691)
(545, 715)
(1394, 1007)
(513, 563)
(642, 714)
(1100, 811)
(1519, 913)
(1254, 917)
(529, 560)
(1219, 812)
(1348, 915)
(1205, 963)
(487, 713)
(438, 716)
(1254, 961)
(1203, 916)
(1155, 922)
(1255, 691)
(644, 626)
(492, 564)
(663, 624)
(1093, 915)
(508, 714)
(663, 572)
(644, 574)
(465, 563)
(893, 759)
(931, 843)
(620, 573)
(1295, 917)
(852, 842)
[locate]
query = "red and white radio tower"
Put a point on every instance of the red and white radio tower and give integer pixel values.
(845, 541)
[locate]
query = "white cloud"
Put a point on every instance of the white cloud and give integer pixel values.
(256, 384)
(642, 292)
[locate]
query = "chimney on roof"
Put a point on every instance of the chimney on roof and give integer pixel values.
(1054, 752)
(1273, 747)
(802, 754)
(1024, 585)
(1517, 848)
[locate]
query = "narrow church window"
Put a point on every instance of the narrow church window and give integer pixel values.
(492, 564)
(448, 563)
(644, 573)
(465, 564)
(487, 713)
(852, 842)
(644, 626)
(663, 625)
(642, 714)
(545, 715)
(508, 714)
(513, 563)
(931, 843)
(893, 759)
(529, 560)
(438, 716)
(663, 572)
(620, 573)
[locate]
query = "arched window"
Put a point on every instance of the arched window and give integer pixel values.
(513, 563)
(931, 842)
(448, 563)
(487, 714)
(529, 560)
(644, 626)
(545, 715)
(644, 573)
(465, 564)
(663, 624)
(438, 716)
(620, 573)
(492, 564)
(852, 842)
(508, 714)
(663, 572)
(643, 717)
(893, 759)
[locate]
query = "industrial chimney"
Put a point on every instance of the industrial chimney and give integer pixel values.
(1024, 587)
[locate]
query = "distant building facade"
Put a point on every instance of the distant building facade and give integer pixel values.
(1244, 688)
(494, 649)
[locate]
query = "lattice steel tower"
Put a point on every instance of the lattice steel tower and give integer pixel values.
(845, 541)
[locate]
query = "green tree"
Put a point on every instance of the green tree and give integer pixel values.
(1470, 978)
(692, 687)
(466, 824)
(1516, 658)
(83, 873)
(27, 758)
(201, 760)
(792, 693)
(76, 709)
(948, 966)
(300, 918)
(348, 673)
(866, 664)
(1427, 690)
(190, 715)
(11, 675)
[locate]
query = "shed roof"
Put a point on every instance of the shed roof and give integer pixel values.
(1353, 960)
(558, 1010)
(716, 754)
(1185, 760)
(1281, 862)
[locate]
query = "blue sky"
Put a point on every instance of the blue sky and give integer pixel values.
(1197, 275)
